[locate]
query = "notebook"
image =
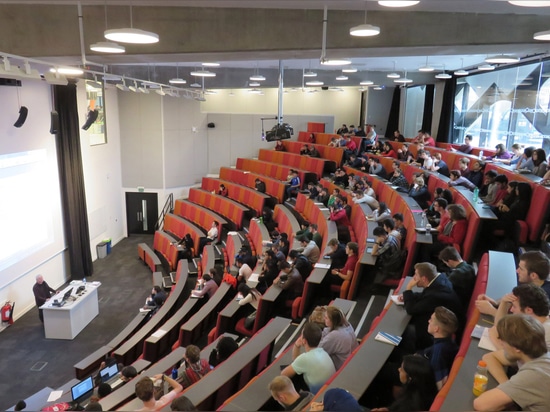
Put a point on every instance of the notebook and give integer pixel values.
(388, 338)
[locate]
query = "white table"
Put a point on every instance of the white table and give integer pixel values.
(67, 321)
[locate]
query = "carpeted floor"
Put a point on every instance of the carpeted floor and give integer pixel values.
(126, 282)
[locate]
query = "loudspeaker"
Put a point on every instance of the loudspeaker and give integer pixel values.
(23, 112)
(324, 87)
(92, 117)
(54, 122)
(211, 125)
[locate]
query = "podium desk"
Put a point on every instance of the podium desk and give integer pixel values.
(67, 321)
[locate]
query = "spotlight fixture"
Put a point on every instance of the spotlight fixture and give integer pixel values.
(195, 85)
(314, 83)
(486, 67)
(502, 59)
(527, 3)
(133, 88)
(335, 89)
(341, 78)
(159, 91)
(542, 35)
(349, 70)
(143, 89)
(122, 86)
(378, 88)
(210, 92)
(107, 47)
(335, 62)
(211, 64)
(398, 3)
(203, 73)
(255, 91)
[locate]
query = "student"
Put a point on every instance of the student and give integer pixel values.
(145, 391)
(338, 337)
(283, 391)
(193, 368)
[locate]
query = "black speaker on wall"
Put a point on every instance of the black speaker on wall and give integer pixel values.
(92, 117)
(23, 112)
(54, 122)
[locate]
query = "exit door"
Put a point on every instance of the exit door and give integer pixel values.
(141, 212)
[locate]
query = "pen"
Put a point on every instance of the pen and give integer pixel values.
(487, 321)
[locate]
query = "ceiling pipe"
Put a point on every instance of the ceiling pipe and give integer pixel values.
(324, 41)
(85, 62)
(280, 101)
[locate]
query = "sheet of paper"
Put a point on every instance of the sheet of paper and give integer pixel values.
(395, 299)
(485, 341)
(159, 333)
(54, 395)
(322, 265)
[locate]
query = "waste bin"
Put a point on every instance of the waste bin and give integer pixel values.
(108, 242)
(101, 250)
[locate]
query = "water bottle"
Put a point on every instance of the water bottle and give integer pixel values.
(261, 220)
(480, 378)
(423, 221)
(476, 194)
(174, 373)
(481, 155)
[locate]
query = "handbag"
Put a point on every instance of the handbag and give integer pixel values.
(249, 321)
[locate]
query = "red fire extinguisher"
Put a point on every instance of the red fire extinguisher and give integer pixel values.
(7, 313)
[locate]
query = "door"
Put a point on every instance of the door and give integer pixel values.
(141, 212)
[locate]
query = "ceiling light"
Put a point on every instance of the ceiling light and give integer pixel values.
(133, 88)
(210, 92)
(378, 88)
(143, 89)
(366, 83)
(68, 71)
(159, 91)
(335, 89)
(393, 75)
(426, 69)
(525, 3)
(398, 3)
(486, 67)
(200, 99)
(210, 64)
(107, 47)
(254, 84)
(314, 83)
(131, 35)
(461, 72)
(177, 80)
(542, 35)
(122, 86)
(203, 73)
(255, 91)
(257, 78)
(361, 89)
(94, 85)
(502, 58)
(349, 70)
(341, 78)
(364, 30)
(111, 77)
(403, 80)
(310, 74)
(195, 85)
(443, 76)
(335, 62)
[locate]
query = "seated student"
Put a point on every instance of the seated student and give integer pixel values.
(259, 185)
(466, 147)
(428, 140)
(309, 360)
(342, 130)
(439, 165)
(222, 191)
(182, 403)
(488, 191)
(346, 273)
(400, 227)
(145, 391)
(381, 213)
(458, 180)
(304, 150)
(224, 349)
(464, 165)
(103, 389)
(507, 216)
(527, 299)
(419, 192)
(338, 338)
(452, 230)
(388, 150)
(399, 180)
(350, 148)
(523, 340)
(501, 153)
(433, 213)
(211, 236)
(210, 287)
(283, 391)
(375, 168)
(389, 227)
(301, 263)
(339, 215)
(128, 373)
(525, 163)
(508, 199)
(398, 137)
(390, 258)
(323, 196)
(337, 253)
(244, 270)
(462, 274)
(313, 190)
(187, 245)
(359, 196)
(404, 154)
(501, 182)
(268, 271)
(290, 280)
(193, 368)
(294, 184)
(337, 399)
(475, 175)
(158, 296)
(539, 162)
(279, 146)
(309, 249)
(313, 152)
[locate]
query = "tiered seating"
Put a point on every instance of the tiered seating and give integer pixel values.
(324, 138)
(249, 197)
(233, 244)
(257, 235)
(166, 246)
(180, 227)
(286, 221)
(149, 257)
(297, 161)
(198, 214)
(276, 170)
(334, 154)
(226, 207)
(274, 187)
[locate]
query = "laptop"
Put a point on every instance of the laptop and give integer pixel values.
(67, 294)
(82, 391)
(111, 375)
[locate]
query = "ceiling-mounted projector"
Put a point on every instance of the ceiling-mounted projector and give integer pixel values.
(279, 132)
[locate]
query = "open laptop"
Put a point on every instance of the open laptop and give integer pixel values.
(111, 375)
(82, 392)
(67, 294)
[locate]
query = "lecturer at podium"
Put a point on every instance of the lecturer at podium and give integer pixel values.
(42, 292)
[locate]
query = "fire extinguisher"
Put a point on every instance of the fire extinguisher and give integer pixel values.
(6, 313)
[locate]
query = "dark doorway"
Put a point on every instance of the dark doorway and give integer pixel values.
(141, 212)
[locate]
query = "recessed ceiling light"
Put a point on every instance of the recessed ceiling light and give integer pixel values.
(210, 64)
(310, 74)
(542, 35)
(131, 35)
(349, 70)
(525, 3)
(314, 83)
(398, 3)
(366, 83)
(486, 67)
(335, 62)
(341, 78)
(461, 72)
(107, 47)
(502, 59)
(203, 73)
(364, 30)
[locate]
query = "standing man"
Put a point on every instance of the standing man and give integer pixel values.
(42, 292)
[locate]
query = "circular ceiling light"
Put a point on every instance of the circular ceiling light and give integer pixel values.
(107, 47)
(177, 80)
(542, 35)
(335, 62)
(310, 74)
(257, 78)
(426, 69)
(403, 80)
(461, 72)
(335, 89)
(378, 88)
(486, 67)
(349, 70)
(131, 35)
(443, 76)
(526, 3)
(314, 83)
(393, 75)
(502, 59)
(341, 78)
(203, 73)
(364, 30)
(398, 3)
(210, 64)
(366, 83)
(68, 71)
(254, 84)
